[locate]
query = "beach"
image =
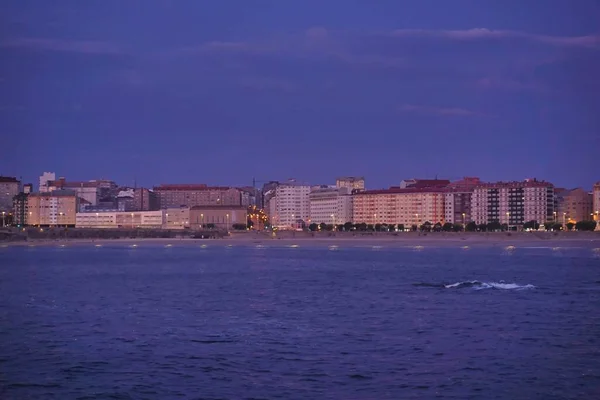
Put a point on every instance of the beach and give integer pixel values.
(348, 239)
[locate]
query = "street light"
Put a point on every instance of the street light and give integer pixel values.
(131, 220)
(3, 224)
(507, 221)
(464, 225)
(227, 222)
(333, 219)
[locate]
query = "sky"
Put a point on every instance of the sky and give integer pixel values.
(221, 92)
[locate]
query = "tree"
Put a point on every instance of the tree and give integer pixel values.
(239, 227)
(210, 226)
(414, 228)
(570, 226)
(457, 228)
(340, 227)
(348, 226)
(378, 227)
(447, 227)
(482, 227)
(585, 225)
(370, 227)
(437, 227)
(426, 226)
(533, 225)
(400, 228)
(322, 226)
(313, 227)
(471, 226)
(391, 227)
(250, 223)
(361, 227)
(329, 227)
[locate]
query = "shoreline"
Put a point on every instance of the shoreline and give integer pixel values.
(376, 241)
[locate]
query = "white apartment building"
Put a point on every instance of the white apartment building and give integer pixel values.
(120, 219)
(290, 206)
(177, 218)
(351, 182)
(330, 206)
(399, 206)
(513, 203)
(44, 179)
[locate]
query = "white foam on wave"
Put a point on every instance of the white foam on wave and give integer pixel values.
(477, 285)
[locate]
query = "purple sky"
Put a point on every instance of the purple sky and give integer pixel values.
(221, 91)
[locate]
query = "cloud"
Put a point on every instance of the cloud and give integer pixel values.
(485, 34)
(75, 46)
(439, 111)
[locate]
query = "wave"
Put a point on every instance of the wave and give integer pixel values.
(477, 285)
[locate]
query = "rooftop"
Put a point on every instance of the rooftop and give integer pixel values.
(218, 208)
(398, 190)
(8, 179)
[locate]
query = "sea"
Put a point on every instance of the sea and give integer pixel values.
(209, 321)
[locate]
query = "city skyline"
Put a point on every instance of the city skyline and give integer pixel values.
(221, 92)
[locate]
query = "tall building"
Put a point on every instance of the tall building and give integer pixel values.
(596, 201)
(351, 182)
(57, 208)
(513, 203)
(9, 188)
(20, 209)
(458, 200)
(574, 205)
(290, 206)
(44, 178)
(409, 206)
(190, 195)
(330, 205)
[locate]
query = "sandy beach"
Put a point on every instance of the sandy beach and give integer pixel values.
(346, 240)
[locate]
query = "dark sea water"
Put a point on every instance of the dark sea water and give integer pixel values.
(185, 322)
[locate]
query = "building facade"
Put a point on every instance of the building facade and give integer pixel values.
(330, 206)
(43, 182)
(574, 205)
(399, 206)
(290, 206)
(458, 200)
(596, 201)
(514, 203)
(177, 218)
(57, 208)
(9, 188)
(351, 182)
(89, 191)
(178, 195)
(219, 217)
(120, 219)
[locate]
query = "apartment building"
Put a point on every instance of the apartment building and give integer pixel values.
(513, 203)
(44, 179)
(351, 182)
(9, 188)
(120, 219)
(290, 206)
(190, 195)
(458, 200)
(574, 205)
(56, 208)
(89, 191)
(330, 205)
(423, 183)
(409, 206)
(221, 217)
